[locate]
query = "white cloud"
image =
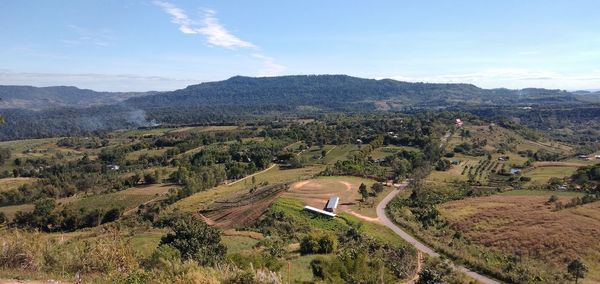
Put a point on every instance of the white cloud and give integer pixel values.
(270, 67)
(217, 35)
(178, 17)
(210, 27)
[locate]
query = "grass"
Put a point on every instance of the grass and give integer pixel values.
(7, 184)
(238, 243)
(339, 153)
(146, 242)
(127, 199)
(149, 152)
(523, 223)
(383, 152)
(10, 211)
(276, 175)
(300, 271)
(541, 175)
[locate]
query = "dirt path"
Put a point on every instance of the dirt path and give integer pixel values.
(272, 166)
(360, 216)
(418, 270)
(420, 246)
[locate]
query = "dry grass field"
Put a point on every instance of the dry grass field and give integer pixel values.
(526, 225)
(13, 183)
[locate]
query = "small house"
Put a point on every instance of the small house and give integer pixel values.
(332, 204)
(113, 167)
(459, 123)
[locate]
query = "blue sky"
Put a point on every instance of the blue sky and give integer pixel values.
(140, 45)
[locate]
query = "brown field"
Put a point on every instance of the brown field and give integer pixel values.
(241, 209)
(526, 225)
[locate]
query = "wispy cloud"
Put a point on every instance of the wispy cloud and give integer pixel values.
(84, 36)
(210, 27)
(216, 34)
(270, 67)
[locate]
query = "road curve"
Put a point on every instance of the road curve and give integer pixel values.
(419, 245)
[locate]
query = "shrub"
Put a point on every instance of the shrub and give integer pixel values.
(196, 240)
(109, 254)
(22, 250)
(319, 242)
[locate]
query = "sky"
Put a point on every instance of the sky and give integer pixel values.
(142, 45)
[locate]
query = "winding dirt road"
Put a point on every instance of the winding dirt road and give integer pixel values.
(420, 246)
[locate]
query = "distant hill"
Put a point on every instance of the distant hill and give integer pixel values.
(36, 98)
(55, 111)
(341, 92)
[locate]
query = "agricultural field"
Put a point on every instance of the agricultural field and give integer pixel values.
(383, 152)
(524, 223)
(127, 199)
(273, 175)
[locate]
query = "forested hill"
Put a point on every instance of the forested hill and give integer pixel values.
(341, 92)
(32, 112)
(36, 98)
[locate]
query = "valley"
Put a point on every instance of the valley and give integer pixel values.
(252, 181)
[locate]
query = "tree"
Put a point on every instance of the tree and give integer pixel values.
(196, 240)
(377, 188)
(577, 269)
(362, 189)
(111, 215)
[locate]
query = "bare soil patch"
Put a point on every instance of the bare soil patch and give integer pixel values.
(241, 209)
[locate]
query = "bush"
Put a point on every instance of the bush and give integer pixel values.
(319, 242)
(196, 240)
(442, 165)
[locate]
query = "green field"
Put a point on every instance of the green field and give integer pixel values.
(127, 199)
(543, 174)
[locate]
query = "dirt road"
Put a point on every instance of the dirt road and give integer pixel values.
(420, 246)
